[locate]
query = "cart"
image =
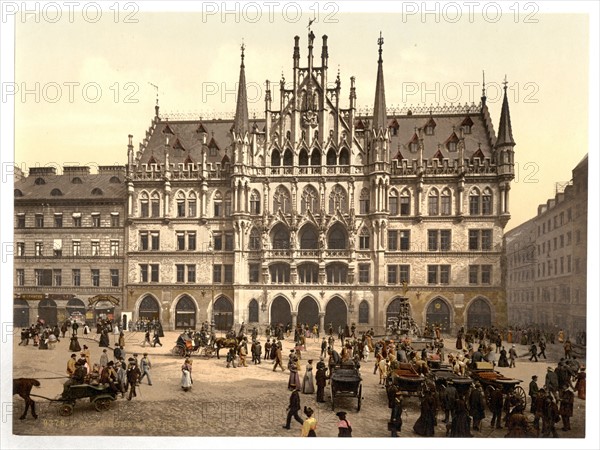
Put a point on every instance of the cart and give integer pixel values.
(491, 380)
(346, 382)
(101, 396)
(407, 380)
(445, 375)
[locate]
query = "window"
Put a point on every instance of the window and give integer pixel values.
(309, 200)
(144, 205)
(438, 274)
(363, 312)
(20, 248)
(480, 239)
(180, 240)
(393, 203)
(364, 201)
(568, 238)
(76, 276)
(217, 241)
(308, 273)
(95, 277)
(154, 273)
(433, 202)
(562, 265)
(253, 273)
(20, 220)
(114, 248)
(254, 241)
(392, 239)
(149, 273)
(95, 248)
(191, 235)
(144, 240)
(562, 240)
(364, 239)
(405, 203)
(569, 214)
(58, 220)
(446, 205)
(76, 244)
(473, 274)
(155, 204)
(392, 274)
(281, 200)
(180, 273)
(114, 277)
(218, 204)
(57, 248)
(364, 271)
(217, 273)
(337, 273)
(280, 273)
(96, 220)
(568, 263)
(338, 200)
(228, 242)
(486, 202)
(20, 278)
(191, 273)
(227, 204)
(228, 273)
(474, 203)
(404, 239)
(192, 204)
(180, 204)
(39, 221)
(155, 240)
(438, 240)
(115, 220)
(77, 220)
(43, 277)
(397, 274)
(555, 240)
(39, 249)
(480, 274)
(254, 203)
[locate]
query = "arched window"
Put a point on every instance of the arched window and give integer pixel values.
(218, 204)
(97, 191)
(254, 202)
(227, 204)
(337, 238)
(308, 273)
(192, 202)
(280, 273)
(338, 200)
(56, 192)
(114, 179)
(393, 202)
(39, 181)
(155, 204)
(76, 180)
(486, 202)
(309, 200)
(253, 311)
(315, 158)
(344, 157)
(363, 312)
(433, 202)
(474, 202)
(303, 158)
(288, 158)
(254, 241)
(364, 239)
(281, 237)
(144, 205)
(281, 200)
(364, 201)
(446, 202)
(405, 203)
(337, 273)
(331, 157)
(309, 239)
(180, 200)
(18, 193)
(275, 158)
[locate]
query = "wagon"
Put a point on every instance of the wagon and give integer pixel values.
(101, 396)
(185, 346)
(346, 382)
(445, 375)
(491, 380)
(407, 380)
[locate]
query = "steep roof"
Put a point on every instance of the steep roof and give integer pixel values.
(240, 122)
(505, 136)
(379, 110)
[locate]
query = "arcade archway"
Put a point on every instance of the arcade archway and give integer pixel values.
(185, 313)
(438, 313)
(281, 312)
(308, 311)
(149, 309)
(21, 313)
(336, 313)
(479, 314)
(223, 314)
(47, 311)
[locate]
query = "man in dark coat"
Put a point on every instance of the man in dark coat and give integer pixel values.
(278, 358)
(542, 347)
(540, 400)
(293, 409)
(461, 423)
(321, 379)
(551, 383)
(75, 327)
(395, 401)
(533, 351)
(133, 376)
(449, 401)
(267, 348)
(257, 350)
(533, 392)
(550, 416)
(566, 408)
(477, 406)
(496, 403)
(425, 424)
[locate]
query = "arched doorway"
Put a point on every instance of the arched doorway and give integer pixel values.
(21, 313)
(223, 314)
(308, 311)
(104, 310)
(47, 311)
(185, 313)
(479, 314)
(336, 313)
(76, 307)
(149, 309)
(253, 311)
(438, 313)
(281, 312)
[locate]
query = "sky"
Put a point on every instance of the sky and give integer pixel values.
(75, 84)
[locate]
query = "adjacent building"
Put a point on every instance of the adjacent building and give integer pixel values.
(547, 260)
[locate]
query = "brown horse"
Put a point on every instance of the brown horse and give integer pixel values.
(23, 386)
(226, 343)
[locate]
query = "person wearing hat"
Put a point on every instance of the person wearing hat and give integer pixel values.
(86, 353)
(395, 403)
(256, 352)
(294, 380)
(310, 424)
(267, 349)
(145, 366)
(71, 365)
(551, 383)
(308, 386)
(512, 356)
(133, 377)
(344, 427)
(121, 377)
(103, 359)
(580, 383)
(293, 409)
(109, 376)
(540, 400)
(566, 407)
(477, 406)
(533, 392)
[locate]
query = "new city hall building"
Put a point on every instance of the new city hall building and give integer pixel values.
(313, 214)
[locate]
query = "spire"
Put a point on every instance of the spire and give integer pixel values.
(505, 136)
(240, 122)
(483, 97)
(379, 110)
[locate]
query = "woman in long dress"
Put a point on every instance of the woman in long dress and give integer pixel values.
(308, 386)
(186, 375)
(294, 380)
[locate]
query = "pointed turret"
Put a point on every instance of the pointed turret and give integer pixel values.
(240, 122)
(505, 137)
(379, 110)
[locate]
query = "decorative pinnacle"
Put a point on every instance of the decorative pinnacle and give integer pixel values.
(483, 88)
(505, 82)
(380, 43)
(243, 47)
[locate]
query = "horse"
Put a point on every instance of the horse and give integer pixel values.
(23, 386)
(226, 343)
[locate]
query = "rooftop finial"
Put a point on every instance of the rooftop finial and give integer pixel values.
(310, 22)
(505, 83)
(380, 43)
(243, 47)
(483, 88)
(156, 107)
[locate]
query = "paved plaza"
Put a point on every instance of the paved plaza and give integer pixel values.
(243, 401)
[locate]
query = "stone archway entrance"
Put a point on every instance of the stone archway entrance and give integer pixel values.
(223, 314)
(479, 314)
(21, 313)
(438, 313)
(149, 309)
(336, 313)
(185, 313)
(47, 311)
(77, 307)
(308, 311)
(281, 312)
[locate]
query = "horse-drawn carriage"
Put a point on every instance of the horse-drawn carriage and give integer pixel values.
(406, 379)
(101, 396)
(346, 382)
(186, 345)
(492, 380)
(444, 376)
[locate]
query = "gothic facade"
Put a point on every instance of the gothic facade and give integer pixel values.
(315, 213)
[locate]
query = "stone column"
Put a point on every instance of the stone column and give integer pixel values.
(294, 319)
(322, 324)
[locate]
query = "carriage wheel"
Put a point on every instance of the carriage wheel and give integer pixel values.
(208, 352)
(519, 393)
(489, 390)
(66, 409)
(359, 398)
(102, 404)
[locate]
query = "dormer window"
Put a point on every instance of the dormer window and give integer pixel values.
(452, 146)
(76, 180)
(451, 142)
(430, 127)
(56, 192)
(414, 147)
(114, 179)
(466, 125)
(39, 181)
(97, 191)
